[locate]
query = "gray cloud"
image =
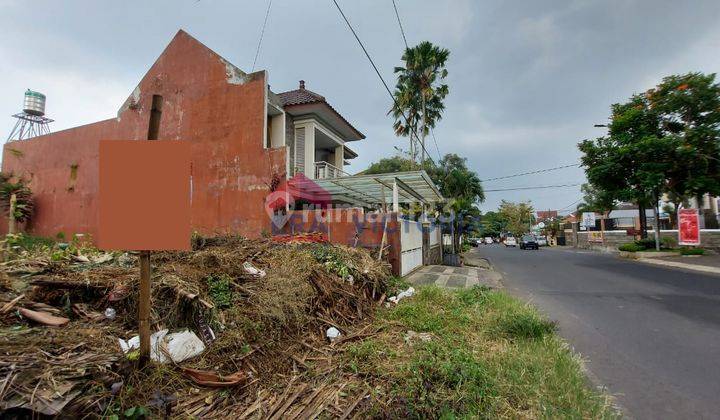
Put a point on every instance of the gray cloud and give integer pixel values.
(528, 78)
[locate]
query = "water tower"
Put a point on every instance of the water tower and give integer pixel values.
(32, 121)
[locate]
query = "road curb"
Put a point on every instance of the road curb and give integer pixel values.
(684, 266)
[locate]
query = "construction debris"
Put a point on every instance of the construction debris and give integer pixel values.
(263, 339)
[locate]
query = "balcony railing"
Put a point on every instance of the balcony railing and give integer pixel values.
(325, 170)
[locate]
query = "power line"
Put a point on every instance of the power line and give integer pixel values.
(262, 33)
(402, 31)
(534, 188)
(387, 88)
(570, 205)
(532, 172)
(432, 131)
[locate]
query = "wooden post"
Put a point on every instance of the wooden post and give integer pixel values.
(11, 217)
(144, 307)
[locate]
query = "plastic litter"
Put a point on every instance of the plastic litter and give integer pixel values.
(332, 334)
(178, 346)
(250, 269)
(110, 313)
(411, 335)
(402, 295)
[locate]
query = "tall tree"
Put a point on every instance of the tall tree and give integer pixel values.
(492, 224)
(519, 216)
(688, 107)
(420, 92)
(631, 162)
(595, 200)
(389, 165)
(664, 141)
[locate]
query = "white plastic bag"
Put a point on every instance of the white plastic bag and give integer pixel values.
(250, 269)
(404, 294)
(332, 334)
(179, 346)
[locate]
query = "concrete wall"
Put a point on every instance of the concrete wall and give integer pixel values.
(206, 101)
(709, 238)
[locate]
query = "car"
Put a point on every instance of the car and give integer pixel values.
(489, 240)
(510, 241)
(528, 242)
(474, 241)
(541, 240)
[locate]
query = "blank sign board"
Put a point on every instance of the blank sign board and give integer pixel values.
(144, 195)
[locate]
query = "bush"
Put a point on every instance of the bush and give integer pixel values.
(632, 247)
(668, 242)
(692, 251)
(646, 243)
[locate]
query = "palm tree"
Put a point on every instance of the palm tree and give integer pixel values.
(419, 92)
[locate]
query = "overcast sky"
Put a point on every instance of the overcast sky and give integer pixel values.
(528, 79)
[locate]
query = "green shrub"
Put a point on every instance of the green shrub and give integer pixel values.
(647, 243)
(692, 251)
(632, 247)
(668, 242)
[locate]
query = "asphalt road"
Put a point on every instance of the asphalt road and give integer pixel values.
(650, 335)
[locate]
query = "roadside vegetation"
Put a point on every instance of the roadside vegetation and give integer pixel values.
(667, 244)
(662, 143)
(471, 353)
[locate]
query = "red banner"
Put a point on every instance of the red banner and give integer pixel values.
(688, 227)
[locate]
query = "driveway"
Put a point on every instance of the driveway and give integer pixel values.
(650, 334)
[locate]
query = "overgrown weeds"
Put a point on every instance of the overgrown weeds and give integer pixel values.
(481, 354)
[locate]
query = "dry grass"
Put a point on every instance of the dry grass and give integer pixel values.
(266, 327)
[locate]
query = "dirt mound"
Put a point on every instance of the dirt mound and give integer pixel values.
(261, 307)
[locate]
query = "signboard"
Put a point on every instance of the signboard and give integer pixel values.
(588, 219)
(144, 195)
(688, 227)
(595, 236)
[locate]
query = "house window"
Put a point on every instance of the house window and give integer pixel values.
(299, 150)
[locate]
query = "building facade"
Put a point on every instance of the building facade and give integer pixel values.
(245, 140)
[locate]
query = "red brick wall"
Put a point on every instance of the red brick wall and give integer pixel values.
(204, 102)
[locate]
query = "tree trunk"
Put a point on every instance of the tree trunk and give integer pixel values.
(657, 223)
(643, 220)
(422, 153)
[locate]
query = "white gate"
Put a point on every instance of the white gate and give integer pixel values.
(411, 244)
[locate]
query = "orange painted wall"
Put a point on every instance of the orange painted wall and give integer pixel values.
(205, 102)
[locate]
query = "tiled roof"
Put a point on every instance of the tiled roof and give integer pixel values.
(300, 97)
(303, 96)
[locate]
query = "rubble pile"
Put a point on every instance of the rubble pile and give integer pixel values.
(241, 329)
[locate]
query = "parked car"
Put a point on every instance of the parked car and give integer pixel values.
(474, 241)
(541, 240)
(510, 241)
(489, 240)
(528, 242)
